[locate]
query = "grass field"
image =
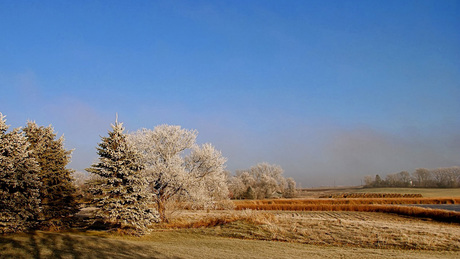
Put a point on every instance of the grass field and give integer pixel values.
(303, 235)
(253, 234)
(178, 244)
(387, 205)
(425, 192)
(335, 228)
(265, 234)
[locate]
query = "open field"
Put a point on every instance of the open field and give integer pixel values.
(337, 228)
(283, 232)
(177, 244)
(351, 201)
(386, 205)
(425, 192)
(253, 234)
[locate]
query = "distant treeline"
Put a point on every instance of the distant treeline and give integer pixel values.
(448, 177)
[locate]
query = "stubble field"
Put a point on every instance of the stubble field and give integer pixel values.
(326, 228)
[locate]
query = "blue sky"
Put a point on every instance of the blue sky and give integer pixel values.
(329, 90)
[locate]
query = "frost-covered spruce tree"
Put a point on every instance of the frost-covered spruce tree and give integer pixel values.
(19, 182)
(119, 189)
(58, 191)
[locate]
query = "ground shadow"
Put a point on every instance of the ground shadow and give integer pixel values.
(64, 245)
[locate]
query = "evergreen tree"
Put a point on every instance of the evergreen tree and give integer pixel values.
(119, 189)
(58, 190)
(19, 182)
(250, 194)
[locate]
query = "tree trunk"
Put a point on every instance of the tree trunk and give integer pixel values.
(162, 210)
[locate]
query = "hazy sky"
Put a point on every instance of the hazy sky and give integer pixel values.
(330, 90)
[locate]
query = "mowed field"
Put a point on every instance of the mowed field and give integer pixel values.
(253, 234)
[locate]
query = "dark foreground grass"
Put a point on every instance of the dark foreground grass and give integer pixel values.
(181, 244)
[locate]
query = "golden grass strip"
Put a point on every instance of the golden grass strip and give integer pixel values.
(354, 201)
(435, 214)
(373, 195)
(250, 216)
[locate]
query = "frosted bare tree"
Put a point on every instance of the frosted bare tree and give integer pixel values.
(261, 181)
(178, 169)
(80, 178)
(368, 180)
(444, 177)
(422, 177)
(290, 191)
(237, 187)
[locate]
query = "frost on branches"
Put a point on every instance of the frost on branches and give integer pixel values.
(19, 182)
(261, 181)
(58, 191)
(179, 170)
(120, 189)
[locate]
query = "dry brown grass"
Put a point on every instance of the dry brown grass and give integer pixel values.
(189, 244)
(360, 205)
(425, 192)
(440, 215)
(189, 220)
(355, 201)
(331, 228)
(362, 229)
(373, 195)
(220, 233)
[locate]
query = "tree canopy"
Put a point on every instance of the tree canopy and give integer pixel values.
(261, 181)
(58, 191)
(176, 168)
